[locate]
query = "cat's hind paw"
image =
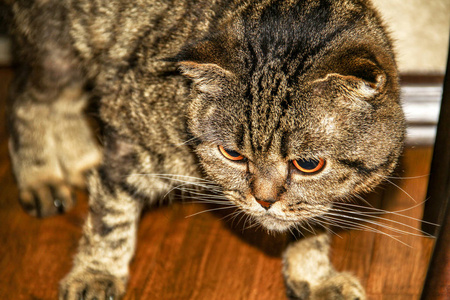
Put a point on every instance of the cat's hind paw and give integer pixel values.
(89, 286)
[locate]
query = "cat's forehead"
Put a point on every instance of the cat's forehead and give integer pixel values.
(276, 127)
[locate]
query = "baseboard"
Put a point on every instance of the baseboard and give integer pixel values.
(421, 99)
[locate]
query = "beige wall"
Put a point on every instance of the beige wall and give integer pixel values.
(420, 29)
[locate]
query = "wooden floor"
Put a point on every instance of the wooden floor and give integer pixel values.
(203, 256)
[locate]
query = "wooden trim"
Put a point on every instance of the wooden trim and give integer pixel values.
(420, 79)
(421, 104)
(437, 208)
(439, 184)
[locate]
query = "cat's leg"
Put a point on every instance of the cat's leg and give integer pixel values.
(51, 145)
(118, 189)
(309, 274)
(100, 268)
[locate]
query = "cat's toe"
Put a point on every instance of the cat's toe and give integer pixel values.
(341, 286)
(89, 286)
(297, 290)
(79, 154)
(47, 199)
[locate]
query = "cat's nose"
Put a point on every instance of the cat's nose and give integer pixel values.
(266, 204)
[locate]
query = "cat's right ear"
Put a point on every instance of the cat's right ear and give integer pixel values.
(206, 63)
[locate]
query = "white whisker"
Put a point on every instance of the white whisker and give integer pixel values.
(252, 224)
(377, 211)
(401, 189)
(207, 210)
(232, 216)
(357, 226)
(411, 177)
(385, 226)
(328, 228)
(362, 199)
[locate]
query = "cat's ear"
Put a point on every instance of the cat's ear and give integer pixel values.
(205, 63)
(353, 78)
(207, 77)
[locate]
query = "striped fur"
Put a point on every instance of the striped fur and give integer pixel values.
(274, 80)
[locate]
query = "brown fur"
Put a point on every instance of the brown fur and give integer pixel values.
(275, 81)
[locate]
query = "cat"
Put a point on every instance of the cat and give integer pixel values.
(287, 106)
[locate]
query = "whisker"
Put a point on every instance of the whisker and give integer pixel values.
(203, 192)
(362, 199)
(328, 228)
(187, 141)
(243, 215)
(377, 211)
(357, 226)
(232, 216)
(411, 177)
(401, 189)
(193, 139)
(385, 226)
(299, 228)
(235, 215)
(312, 229)
(174, 188)
(245, 222)
(212, 202)
(200, 195)
(290, 230)
(252, 224)
(354, 225)
(197, 181)
(207, 210)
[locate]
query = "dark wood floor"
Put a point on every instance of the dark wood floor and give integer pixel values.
(203, 256)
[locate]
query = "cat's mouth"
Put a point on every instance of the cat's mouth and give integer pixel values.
(278, 218)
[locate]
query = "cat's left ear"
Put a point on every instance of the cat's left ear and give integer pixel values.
(356, 78)
(207, 77)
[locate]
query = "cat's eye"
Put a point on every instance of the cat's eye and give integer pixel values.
(309, 166)
(230, 154)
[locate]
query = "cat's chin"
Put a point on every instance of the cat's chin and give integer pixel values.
(276, 225)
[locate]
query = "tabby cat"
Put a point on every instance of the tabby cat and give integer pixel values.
(288, 106)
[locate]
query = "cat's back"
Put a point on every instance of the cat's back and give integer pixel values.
(115, 32)
(114, 29)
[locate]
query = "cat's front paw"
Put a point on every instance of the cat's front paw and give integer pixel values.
(340, 286)
(84, 285)
(298, 290)
(46, 198)
(50, 165)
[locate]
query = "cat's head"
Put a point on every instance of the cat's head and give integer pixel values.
(286, 133)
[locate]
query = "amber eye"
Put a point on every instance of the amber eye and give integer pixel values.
(309, 165)
(230, 154)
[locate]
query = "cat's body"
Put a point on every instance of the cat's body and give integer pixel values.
(287, 106)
